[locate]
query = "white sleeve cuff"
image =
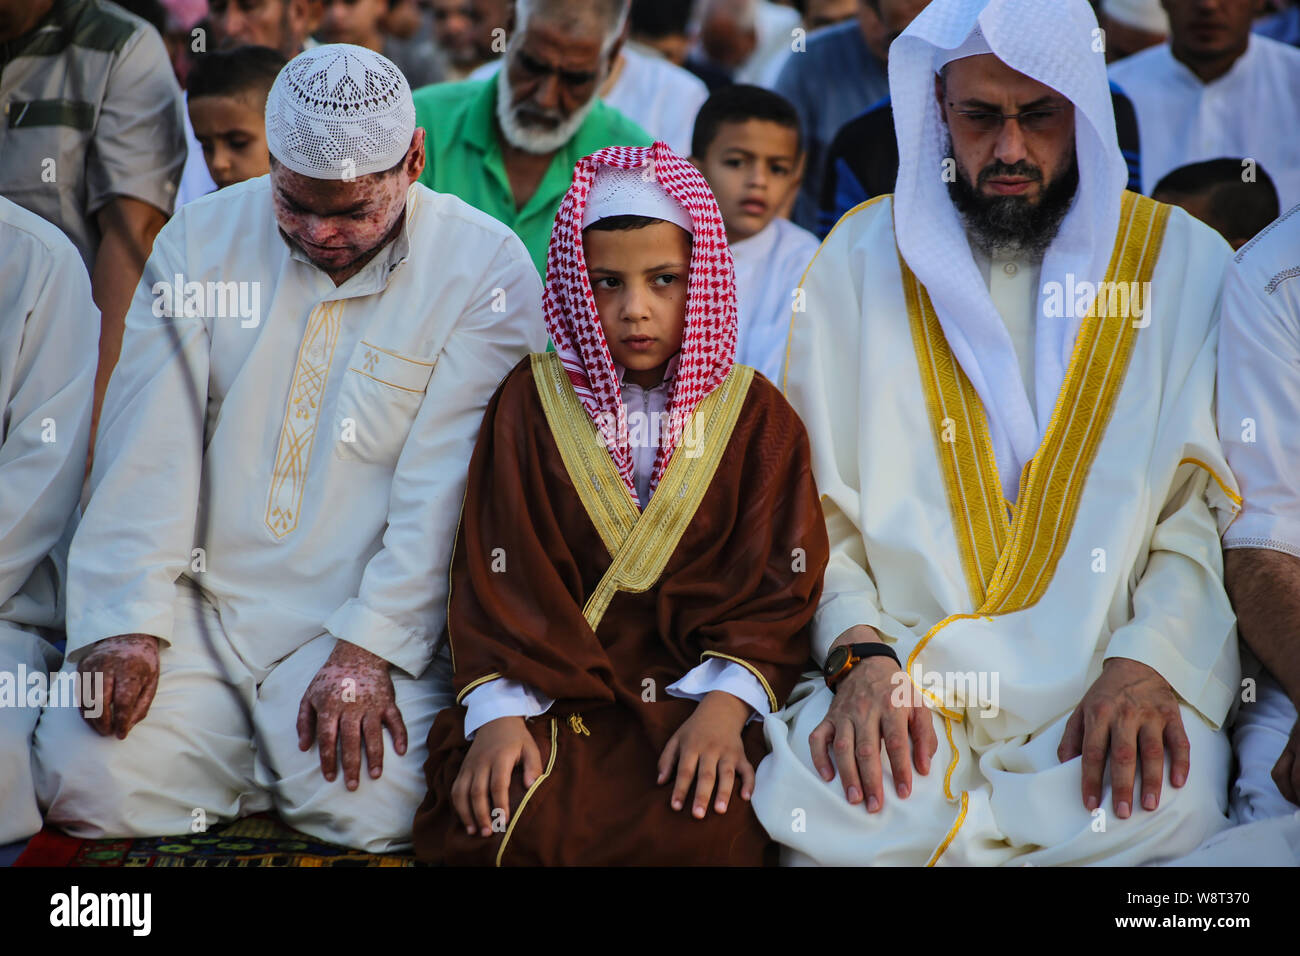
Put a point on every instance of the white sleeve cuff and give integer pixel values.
(501, 698)
(718, 674)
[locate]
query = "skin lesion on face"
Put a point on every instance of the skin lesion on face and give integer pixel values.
(640, 281)
(339, 224)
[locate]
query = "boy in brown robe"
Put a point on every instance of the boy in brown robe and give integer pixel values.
(639, 556)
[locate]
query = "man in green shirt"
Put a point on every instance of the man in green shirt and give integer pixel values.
(507, 145)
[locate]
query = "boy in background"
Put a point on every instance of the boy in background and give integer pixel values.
(227, 103)
(1231, 196)
(747, 143)
(640, 554)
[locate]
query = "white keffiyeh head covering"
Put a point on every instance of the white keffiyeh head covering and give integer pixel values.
(338, 111)
(1053, 42)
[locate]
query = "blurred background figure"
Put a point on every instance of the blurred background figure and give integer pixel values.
(1282, 24)
(365, 23)
(660, 96)
(1132, 25)
(826, 13)
(227, 107)
(94, 140)
(839, 75)
(283, 25)
(408, 30)
(1214, 90)
(465, 33)
(1215, 192)
(747, 39)
(747, 145)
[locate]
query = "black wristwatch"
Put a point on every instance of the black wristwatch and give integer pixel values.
(843, 658)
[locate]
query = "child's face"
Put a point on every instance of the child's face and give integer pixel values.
(640, 278)
(753, 168)
(232, 132)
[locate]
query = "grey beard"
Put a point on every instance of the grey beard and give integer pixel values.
(1010, 225)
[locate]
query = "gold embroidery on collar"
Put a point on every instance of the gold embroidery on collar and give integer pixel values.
(1051, 485)
(640, 542)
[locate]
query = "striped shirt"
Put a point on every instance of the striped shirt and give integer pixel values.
(91, 110)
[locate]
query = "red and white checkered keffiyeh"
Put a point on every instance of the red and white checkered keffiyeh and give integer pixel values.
(709, 338)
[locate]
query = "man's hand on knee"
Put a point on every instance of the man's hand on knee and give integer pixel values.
(874, 705)
(1129, 710)
(351, 700)
(129, 665)
(1286, 772)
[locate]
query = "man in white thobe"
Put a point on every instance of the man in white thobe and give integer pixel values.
(1007, 376)
(261, 571)
(48, 354)
(1216, 89)
(1258, 405)
(661, 97)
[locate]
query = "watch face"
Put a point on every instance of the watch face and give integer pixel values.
(838, 658)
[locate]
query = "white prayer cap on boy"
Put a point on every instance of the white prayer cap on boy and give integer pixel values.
(338, 111)
(630, 192)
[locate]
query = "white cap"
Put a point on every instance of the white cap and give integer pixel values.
(973, 45)
(338, 111)
(1146, 15)
(632, 192)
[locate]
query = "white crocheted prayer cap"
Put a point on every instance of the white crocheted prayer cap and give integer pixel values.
(338, 111)
(632, 192)
(1146, 15)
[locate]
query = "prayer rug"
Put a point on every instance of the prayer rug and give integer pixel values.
(259, 840)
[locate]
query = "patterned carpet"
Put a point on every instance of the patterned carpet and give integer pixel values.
(259, 840)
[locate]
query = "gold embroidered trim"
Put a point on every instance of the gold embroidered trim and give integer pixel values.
(301, 416)
(789, 335)
(643, 554)
(550, 764)
(477, 682)
(1051, 484)
(961, 442)
(601, 488)
(404, 358)
(771, 697)
(389, 384)
(1223, 485)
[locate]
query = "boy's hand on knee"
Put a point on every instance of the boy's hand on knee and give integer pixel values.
(129, 665)
(708, 748)
(498, 747)
(351, 699)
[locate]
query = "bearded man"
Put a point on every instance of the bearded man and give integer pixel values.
(1025, 610)
(262, 568)
(507, 145)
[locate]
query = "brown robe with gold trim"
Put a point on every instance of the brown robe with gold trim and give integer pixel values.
(743, 581)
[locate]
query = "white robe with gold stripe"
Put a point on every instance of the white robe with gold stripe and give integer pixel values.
(1111, 550)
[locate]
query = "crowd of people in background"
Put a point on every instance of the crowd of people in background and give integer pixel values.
(120, 113)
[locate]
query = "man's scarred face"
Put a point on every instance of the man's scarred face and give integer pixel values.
(338, 224)
(1015, 179)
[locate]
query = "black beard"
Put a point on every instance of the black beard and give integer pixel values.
(1012, 225)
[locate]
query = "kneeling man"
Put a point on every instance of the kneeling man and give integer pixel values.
(262, 568)
(1007, 375)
